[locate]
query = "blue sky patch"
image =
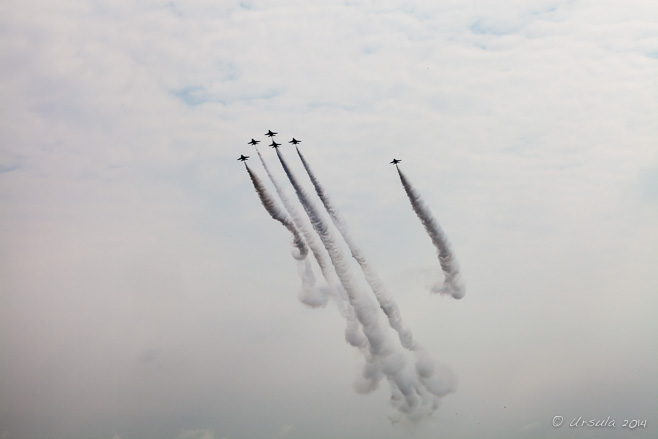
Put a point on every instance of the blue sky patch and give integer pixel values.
(4, 169)
(480, 27)
(194, 95)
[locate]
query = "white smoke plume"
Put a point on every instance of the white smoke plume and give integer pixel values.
(276, 213)
(438, 384)
(452, 283)
(386, 302)
(309, 294)
(364, 315)
(314, 295)
(409, 395)
(309, 237)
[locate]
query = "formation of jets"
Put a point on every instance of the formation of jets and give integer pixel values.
(294, 141)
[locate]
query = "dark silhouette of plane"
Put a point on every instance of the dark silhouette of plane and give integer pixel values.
(274, 144)
(295, 141)
(395, 161)
(243, 157)
(269, 133)
(253, 142)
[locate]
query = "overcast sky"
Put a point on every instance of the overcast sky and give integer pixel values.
(146, 293)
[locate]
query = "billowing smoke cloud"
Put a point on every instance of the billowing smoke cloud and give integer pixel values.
(452, 283)
(410, 396)
(386, 302)
(276, 213)
(310, 294)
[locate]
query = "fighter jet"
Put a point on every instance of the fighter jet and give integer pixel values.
(395, 161)
(274, 144)
(295, 141)
(243, 157)
(269, 133)
(253, 142)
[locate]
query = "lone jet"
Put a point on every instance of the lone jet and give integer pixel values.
(253, 142)
(295, 141)
(243, 157)
(269, 133)
(395, 161)
(274, 144)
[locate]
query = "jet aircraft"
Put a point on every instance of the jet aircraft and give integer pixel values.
(269, 133)
(395, 161)
(253, 142)
(243, 157)
(274, 144)
(295, 141)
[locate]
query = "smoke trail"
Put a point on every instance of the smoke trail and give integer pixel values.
(452, 283)
(353, 333)
(275, 212)
(386, 302)
(433, 384)
(299, 223)
(309, 294)
(385, 361)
